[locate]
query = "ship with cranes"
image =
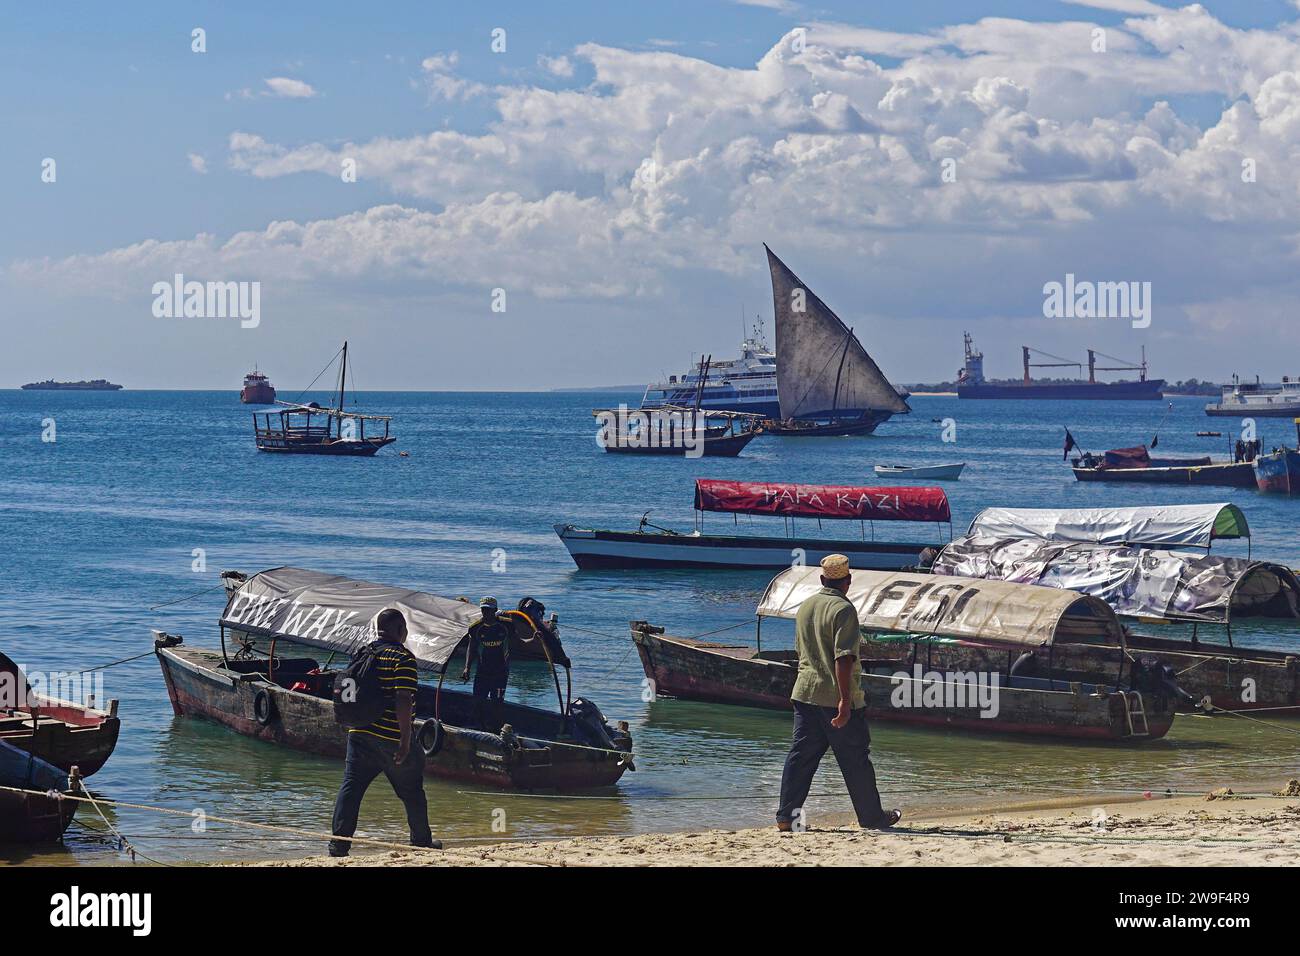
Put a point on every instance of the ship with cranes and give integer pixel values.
(971, 382)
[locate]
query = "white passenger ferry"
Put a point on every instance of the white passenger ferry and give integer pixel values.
(746, 384)
(1256, 400)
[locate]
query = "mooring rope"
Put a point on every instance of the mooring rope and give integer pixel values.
(189, 597)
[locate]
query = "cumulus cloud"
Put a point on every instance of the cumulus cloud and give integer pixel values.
(198, 163)
(1063, 159)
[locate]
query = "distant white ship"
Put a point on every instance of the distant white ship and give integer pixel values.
(746, 384)
(1247, 400)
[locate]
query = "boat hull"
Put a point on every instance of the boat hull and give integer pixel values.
(1279, 472)
(1150, 390)
(1290, 410)
(34, 817)
(838, 428)
(66, 736)
(734, 674)
(721, 446)
(633, 549)
(257, 395)
(198, 686)
(349, 448)
(1228, 474)
(1222, 674)
(934, 472)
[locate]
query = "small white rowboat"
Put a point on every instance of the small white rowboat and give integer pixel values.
(922, 471)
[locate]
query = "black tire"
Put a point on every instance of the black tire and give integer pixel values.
(430, 738)
(263, 706)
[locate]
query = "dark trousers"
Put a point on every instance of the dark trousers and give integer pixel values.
(851, 744)
(368, 757)
(489, 694)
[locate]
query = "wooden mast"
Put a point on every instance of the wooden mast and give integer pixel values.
(343, 377)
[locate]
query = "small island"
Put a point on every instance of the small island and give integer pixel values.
(95, 385)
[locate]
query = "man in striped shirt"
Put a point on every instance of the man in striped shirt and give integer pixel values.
(385, 746)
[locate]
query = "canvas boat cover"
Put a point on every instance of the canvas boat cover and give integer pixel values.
(1170, 525)
(981, 611)
(338, 613)
(821, 367)
(1141, 582)
(860, 502)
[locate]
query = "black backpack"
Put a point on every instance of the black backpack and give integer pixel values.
(359, 700)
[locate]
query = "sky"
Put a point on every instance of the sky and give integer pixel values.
(576, 194)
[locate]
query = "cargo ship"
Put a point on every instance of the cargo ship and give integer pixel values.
(971, 383)
(49, 385)
(257, 389)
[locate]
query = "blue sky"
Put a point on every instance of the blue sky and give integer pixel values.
(526, 170)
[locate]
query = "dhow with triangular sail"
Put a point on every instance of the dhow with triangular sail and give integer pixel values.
(826, 382)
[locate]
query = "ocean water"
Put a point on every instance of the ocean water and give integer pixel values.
(103, 524)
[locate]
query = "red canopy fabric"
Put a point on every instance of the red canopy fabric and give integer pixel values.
(1136, 457)
(863, 502)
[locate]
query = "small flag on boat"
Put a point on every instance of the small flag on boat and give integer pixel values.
(1069, 444)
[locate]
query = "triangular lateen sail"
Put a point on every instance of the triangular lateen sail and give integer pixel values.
(812, 357)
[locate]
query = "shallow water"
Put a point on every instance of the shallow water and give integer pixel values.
(102, 524)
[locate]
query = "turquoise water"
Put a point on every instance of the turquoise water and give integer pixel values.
(103, 523)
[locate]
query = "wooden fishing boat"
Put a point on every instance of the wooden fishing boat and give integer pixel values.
(826, 383)
(286, 700)
(1136, 465)
(1012, 622)
(60, 732)
(297, 429)
(674, 430)
(668, 429)
(35, 817)
(1149, 584)
(932, 472)
(661, 547)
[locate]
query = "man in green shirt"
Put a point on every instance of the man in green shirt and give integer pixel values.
(829, 706)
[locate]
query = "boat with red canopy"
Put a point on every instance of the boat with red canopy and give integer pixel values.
(652, 546)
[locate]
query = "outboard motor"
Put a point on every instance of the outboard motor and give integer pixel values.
(1153, 676)
(590, 725)
(549, 632)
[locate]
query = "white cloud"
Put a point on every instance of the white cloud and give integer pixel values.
(669, 165)
(198, 163)
(440, 78)
(556, 65)
(283, 86)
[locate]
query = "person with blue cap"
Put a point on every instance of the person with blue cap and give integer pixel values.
(489, 652)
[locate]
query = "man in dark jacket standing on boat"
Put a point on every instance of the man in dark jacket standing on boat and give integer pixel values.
(829, 706)
(385, 746)
(489, 652)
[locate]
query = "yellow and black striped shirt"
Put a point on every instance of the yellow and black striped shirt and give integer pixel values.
(396, 673)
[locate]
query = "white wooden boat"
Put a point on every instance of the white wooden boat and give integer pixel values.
(922, 471)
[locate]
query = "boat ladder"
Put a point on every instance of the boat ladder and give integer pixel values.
(1135, 712)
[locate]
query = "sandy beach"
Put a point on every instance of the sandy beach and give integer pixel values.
(1226, 830)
